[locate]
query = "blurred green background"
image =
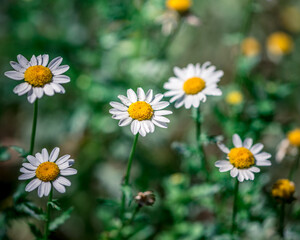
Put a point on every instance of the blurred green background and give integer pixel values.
(114, 45)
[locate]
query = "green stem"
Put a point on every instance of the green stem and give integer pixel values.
(136, 210)
(199, 143)
(235, 207)
(48, 215)
(169, 40)
(127, 176)
(295, 166)
(281, 220)
(33, 131)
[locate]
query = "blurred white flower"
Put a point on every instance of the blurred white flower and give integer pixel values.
(48, 171)
(243, 158)
(192, 84)
(141, 110)
(39, 77)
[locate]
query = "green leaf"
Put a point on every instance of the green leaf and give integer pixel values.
(107, 202)
(4, 154)
(35, 231)
(54, 205)
(20, 150)
(61, 219)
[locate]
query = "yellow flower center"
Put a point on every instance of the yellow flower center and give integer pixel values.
(283, 189)
(179, 5)
(241, 158)
(280, 43)
(250, 47)
(38, 76)
(294, 137)
(47, 171)
(234, 98)
(140, 111)
(193, 85)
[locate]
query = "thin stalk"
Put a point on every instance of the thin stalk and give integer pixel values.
(169, 40)
(48, 216)
(127, 176)
(199, 144)
(295, 166)
(136, 210)
(34, 122)
(281, 220)
(235, 207)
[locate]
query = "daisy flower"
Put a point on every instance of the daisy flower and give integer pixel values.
(38, 77)
(142, 111)
(192, 84)
(243, 159)
(47, 171)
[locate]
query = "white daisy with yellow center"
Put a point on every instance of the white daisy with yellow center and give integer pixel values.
(243, 159)
(142, 111)
(38, 76)
(47, 171)
(192, 84)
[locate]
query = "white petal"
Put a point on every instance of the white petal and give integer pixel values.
(159, 124)
(256, 148)
(39, 157)
(64, 165)
(26, 176)
(33, 160)
(157, 98)
(60, 70)
(17, 67)
(54, 154)
(68, 171)
(237, 142)
(125, 100)
(63, 181)
(29, 166)
(39, 59)
(240, 176)
(234, 172)
(254, 169)
(45, 154)
(55, 63)
(45, 60)
(248, 143)
(162, 112)
(223, 148)
(262, 156)
(14, 75)
(222, 163)
(60, 188)
(38, 92)
(249, 174)
(31, 97)
(161, 119)
(263, 163)
(118, 106)
(47, 188)
(23, 61)
(149, 96)
(63, 159)
(225, 168)
(25, 170)
(33, 61)
(57, 87)
(135, 127)
(41, 189)
(142, 130)
(125, 122)
(48, 89)
(160, 105)
(21, 87)
(33, 184)
(61, 79)
(131, 95)
(141, 94)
